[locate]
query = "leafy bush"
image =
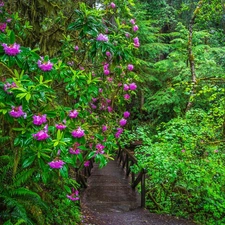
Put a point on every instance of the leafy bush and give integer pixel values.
(60, 112)
(185, 165)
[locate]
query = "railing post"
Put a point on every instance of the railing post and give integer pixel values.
(143, 188)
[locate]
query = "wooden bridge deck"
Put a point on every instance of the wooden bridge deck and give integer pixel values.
(109, 200)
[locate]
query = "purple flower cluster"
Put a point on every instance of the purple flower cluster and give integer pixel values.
(76, 48)
(123, 122)
(126, 96)
(132, 21)
(102, 37)
(112, 5)
(43, 65)
(75, 150)
(11, 50)
(73, 114)
(56, 164)
(100, 148)
(3, 26)
(17, 112)
(135, 28)
(73, 196)
(130, 67)
(104, 128)
(60, 126)
(136, 42)
(126, 114)
(78, 133)
(106, 69)
(42, 134)
(8, 86)
(119, 132)
(131, 87)
(108, 54)
(87, 163)
(39, 119)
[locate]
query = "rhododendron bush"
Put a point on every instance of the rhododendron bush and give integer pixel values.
(60, 112)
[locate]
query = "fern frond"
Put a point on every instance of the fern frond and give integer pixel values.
(8, 222)
(23, 192)
(22, 177)
(20, 221)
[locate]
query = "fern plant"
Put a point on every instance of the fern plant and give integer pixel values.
(18, 204)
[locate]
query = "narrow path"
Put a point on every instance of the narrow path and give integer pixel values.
(109, 200)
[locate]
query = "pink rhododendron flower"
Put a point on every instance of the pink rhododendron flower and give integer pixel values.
(73, 114)
(45, 66)
(119, 132)
(132, 86)
(123, 122)
(126, 87)
(113, 5)
(39, 119)
(110, 109)
(106, 72)
(104, 128)
(87, 163)
(108, 54)
(41, 135)
(93, 106)
(11, 50)
(127, 35)
(132, 21)
(17, 112)
(56, 164)
(60, 126)
(135, 28)
(100, 90)
(2, 3)
(76, 48)
(100, 148)
(70, 63)
(106, 66)
(109, 79)
(136, 42)
(73, 196)
(102, 37)
(78, 133)
(130, 67)
(8, 86)
(3, 27)
(126, 114)
(75, 150)
(126, 96)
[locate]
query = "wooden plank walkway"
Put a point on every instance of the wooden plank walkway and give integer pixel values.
(109, 200)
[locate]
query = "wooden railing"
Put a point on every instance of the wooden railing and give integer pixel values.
(82, 175)
(127, 159)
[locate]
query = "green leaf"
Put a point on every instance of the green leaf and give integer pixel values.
(67, 188)
(28, 161)
(12, 37)
(64, 171)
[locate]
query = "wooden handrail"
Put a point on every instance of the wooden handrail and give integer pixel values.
(127, 159)
(82, 175)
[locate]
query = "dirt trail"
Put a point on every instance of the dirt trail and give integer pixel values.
(109, 200)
